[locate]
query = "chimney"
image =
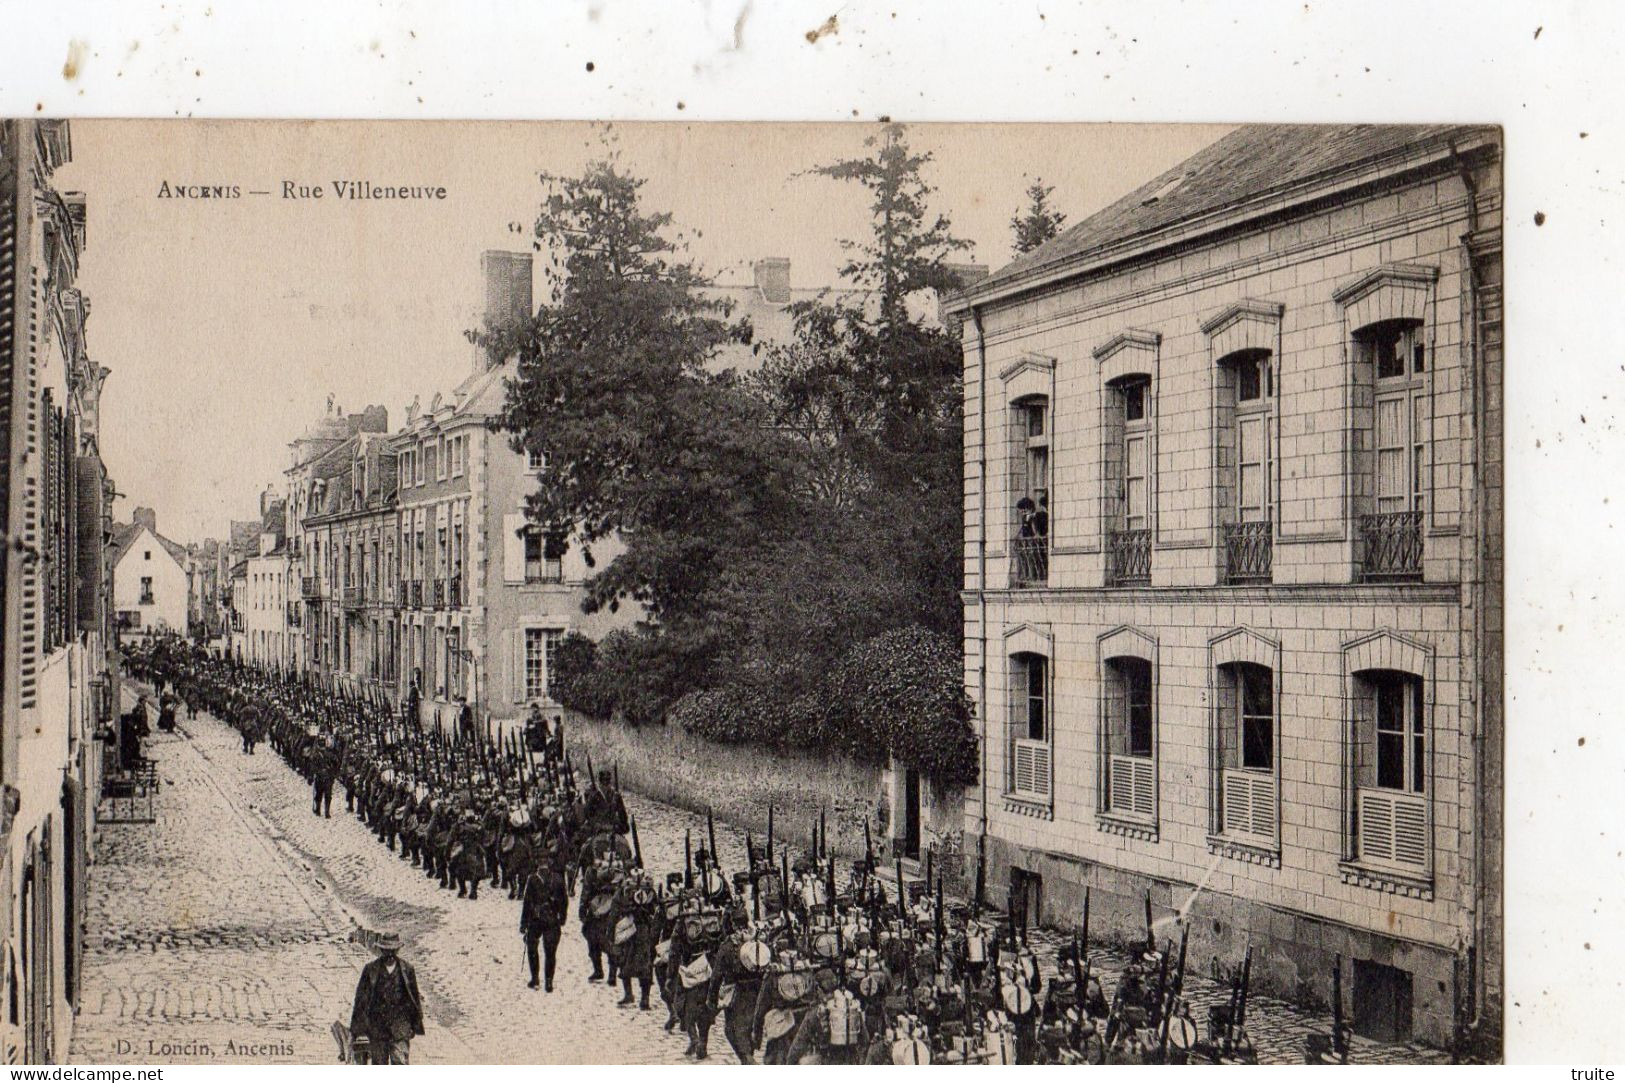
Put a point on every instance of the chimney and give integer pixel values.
(773, 279)
(146, 517)
(507, 293)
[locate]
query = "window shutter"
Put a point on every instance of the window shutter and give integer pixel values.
(1376, 827)
(516, 640)
(1410, 832)
(513, 549)
(1145, 787)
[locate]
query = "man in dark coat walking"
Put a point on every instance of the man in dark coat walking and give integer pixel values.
(541, 916)
(388, 1010)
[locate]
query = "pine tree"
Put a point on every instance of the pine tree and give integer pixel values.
(1039, 221)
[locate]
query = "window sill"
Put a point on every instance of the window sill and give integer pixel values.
(1410, 884)
(1254, 853)
(1117, 824)
(1024, 805)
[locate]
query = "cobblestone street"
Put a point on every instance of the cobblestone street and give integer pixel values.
(229, 930)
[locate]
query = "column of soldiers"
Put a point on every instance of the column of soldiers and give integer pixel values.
(799, 967)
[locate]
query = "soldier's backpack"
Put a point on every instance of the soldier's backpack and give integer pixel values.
(695, 973)
(845, 1018)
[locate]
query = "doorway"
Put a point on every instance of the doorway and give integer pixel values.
(911, 813)
(1382, 1002)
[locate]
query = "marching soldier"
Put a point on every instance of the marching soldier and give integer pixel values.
(541, 917)
(323, 770)
(604, 810)
(633, 940)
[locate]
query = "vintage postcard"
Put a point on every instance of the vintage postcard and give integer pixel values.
(664, 593)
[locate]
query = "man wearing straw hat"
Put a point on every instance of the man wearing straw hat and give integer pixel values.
(388, 1009)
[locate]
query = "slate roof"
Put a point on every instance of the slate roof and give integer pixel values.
(125, 534)
(1253, 164)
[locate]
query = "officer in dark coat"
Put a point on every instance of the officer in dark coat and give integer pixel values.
(324, 768)
(541, 916)
(605, 811)
(388, 1010)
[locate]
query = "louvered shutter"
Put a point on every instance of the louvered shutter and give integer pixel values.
(1133, 786)
(1249, 804)
(516, 642)
(513, 549)
(1393, 828)
(1410, 831)
(1032, 768)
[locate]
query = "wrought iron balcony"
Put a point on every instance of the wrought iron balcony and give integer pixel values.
(1393, 545)
(455, 591)
(352, 598)
(401, 592)
(308, 587)
(1248, 548)
(1129, 552)
(437, 593)
(415, 598)
(1029, 561)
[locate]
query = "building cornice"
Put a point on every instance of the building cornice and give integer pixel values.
(1189, 232)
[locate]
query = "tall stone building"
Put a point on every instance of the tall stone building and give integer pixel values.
(55, 686)
(1233, 565)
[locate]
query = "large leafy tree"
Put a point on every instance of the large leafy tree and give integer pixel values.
(1039, 220)
(637, 440)
(871, 387)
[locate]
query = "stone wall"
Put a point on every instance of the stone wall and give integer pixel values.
(740, 783)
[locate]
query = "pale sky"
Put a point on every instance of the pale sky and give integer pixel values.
(226, 324)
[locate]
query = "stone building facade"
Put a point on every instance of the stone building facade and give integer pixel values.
(1232, 566)
(57, 688)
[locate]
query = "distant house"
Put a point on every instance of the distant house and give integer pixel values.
(151, 584)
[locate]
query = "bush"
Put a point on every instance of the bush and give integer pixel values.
(905, 690)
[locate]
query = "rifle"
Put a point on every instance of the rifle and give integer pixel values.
(902, 895)
(1174, 992)
(939, 925)
(1150, 933)
(1340, 1045)
(637, 847)
(981, 880)
(823, 835)
(784, 884)
(688, 860)
(711, 833)
(770, 834)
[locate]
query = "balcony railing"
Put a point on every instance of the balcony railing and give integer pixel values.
(308, 587)
(1393, 545)
(1247, 551)
(454, 590)
(1029, 561)
(1130, 556)
(415, 597)
(352, 598)
(401, 593)
(437, 593)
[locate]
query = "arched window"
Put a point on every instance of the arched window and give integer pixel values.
(1391, 468)
(1031, 726)
(1030, 487)
(1245, 747)
(1246, 497)
(1130, 739)
(1128, 470)
(1391, 777)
